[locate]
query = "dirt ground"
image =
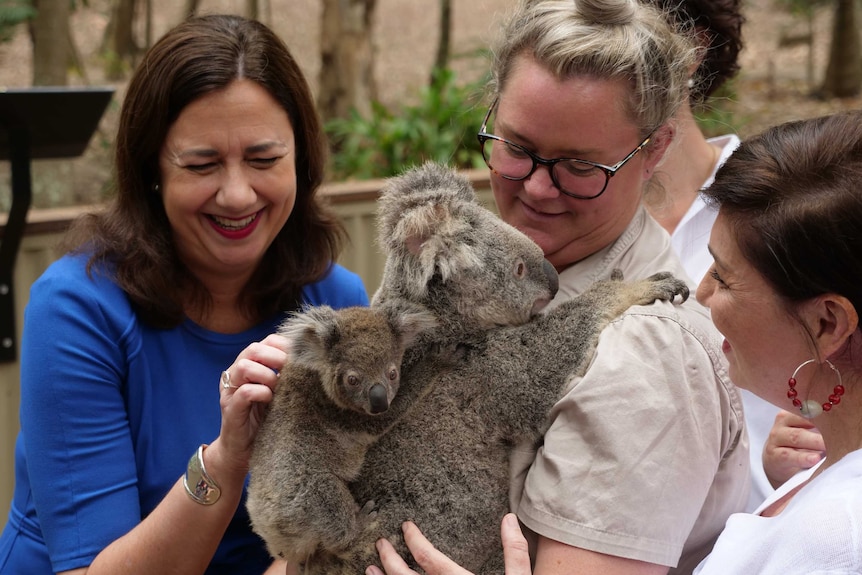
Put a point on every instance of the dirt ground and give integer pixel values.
(772, 87)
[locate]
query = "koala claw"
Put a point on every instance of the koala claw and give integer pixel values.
(668, 287)
(369, 509)
(367, 516)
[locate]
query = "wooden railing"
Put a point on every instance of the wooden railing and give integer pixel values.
(355, 202)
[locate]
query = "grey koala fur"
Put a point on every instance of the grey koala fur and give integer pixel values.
(445, 465)
(335, 396)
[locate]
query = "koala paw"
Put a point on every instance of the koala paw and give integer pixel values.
(367, 515)
(664, 286)
(370, 508)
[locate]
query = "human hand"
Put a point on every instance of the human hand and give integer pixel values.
(793, 444)
(281, 567)
(515, 553)
(246, 387)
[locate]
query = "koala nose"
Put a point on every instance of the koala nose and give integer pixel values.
(553, 278)
(378, 398)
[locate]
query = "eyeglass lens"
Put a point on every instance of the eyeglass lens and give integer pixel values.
(571, 176)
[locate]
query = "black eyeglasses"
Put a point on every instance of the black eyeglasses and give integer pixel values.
(575, 178)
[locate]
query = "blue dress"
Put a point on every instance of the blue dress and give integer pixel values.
(111, 410)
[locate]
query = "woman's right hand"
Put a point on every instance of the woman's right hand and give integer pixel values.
(794, 444)
(515, 553)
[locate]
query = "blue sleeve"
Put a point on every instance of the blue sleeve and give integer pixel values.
(340, 288)
(73, 417)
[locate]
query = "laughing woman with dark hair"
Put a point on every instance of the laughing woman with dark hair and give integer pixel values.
(148, 355)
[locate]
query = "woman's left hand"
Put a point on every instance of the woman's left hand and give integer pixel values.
(515, 553)
(246, 387)
(794, 444)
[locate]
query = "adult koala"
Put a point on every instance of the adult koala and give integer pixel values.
(429, 230)
(445, 464)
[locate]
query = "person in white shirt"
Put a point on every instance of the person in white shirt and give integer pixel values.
(690, 162)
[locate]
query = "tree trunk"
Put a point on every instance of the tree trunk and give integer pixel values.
(251, 10)
(442, 59)
(347, 61)
(148, 34)
(51, 42)
(809, 62)
(75, 60)
(844, 71)
(119, 42)
(191, 8)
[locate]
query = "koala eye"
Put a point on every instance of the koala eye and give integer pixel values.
(520, 269)
(393, 374)
(352, 380)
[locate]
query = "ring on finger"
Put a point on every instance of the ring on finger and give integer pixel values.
(225, 381)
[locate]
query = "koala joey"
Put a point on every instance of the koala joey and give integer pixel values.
(445, 465)
(338, 392)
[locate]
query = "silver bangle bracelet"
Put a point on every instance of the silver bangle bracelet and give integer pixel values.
(200, 487)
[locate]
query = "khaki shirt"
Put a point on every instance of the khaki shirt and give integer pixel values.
(646, 454)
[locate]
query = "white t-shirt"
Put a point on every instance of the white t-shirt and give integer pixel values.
(691, 236)
(819, 532)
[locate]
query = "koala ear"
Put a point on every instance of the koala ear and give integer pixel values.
(431, 186)
(419, 225)
(409, 320)
(426, 218)
(433, 239)
(311, 333)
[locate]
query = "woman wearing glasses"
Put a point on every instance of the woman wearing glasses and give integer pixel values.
(645, 456)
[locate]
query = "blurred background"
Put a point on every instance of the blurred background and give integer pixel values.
(403, 78)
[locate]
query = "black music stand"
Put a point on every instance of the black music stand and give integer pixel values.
(40, 122)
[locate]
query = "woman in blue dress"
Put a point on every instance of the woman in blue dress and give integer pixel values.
(148, 352)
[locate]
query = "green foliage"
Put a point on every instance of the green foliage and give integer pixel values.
(442, 127)
(715, 117)
(802, 7)
(116, 68)
(12, 13)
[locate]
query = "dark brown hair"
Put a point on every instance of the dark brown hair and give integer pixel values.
(721, 21)
(793, 198)
(197, 57)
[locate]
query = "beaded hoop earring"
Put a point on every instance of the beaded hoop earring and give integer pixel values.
(810, 408)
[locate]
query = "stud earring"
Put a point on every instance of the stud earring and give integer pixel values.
(810, 408)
